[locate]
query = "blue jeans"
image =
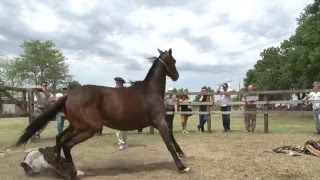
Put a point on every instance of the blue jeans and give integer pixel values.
(316, 118)
(226, 117)
(60, 122)
(202, 121)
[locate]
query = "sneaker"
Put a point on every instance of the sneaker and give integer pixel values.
(123, 147)
(198, 129)
(184, 131)
(246, 131)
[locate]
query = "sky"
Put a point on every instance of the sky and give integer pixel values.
(213, 41)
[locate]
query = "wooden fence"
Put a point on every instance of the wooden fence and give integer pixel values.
(265, 104)
(26, 103)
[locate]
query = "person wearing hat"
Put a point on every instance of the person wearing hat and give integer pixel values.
(43, 160)
(39, 97)
(225, 107)
(121, 135)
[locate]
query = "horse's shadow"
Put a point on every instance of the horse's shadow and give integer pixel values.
(126, 167)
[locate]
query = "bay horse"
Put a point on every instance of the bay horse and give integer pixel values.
(90, 107)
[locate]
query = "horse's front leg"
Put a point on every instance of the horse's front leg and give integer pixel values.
(169, 120)
(164, 131)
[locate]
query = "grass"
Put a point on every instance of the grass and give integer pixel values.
(217, 155)
(11, 128)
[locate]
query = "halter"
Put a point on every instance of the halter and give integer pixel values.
(164, 65)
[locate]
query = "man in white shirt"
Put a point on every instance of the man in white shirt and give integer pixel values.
(315, 105)
(121, 135)
(43, 160)
(225, 106)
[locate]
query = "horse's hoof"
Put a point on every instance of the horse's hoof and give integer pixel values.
(181, 154)
(187, 169)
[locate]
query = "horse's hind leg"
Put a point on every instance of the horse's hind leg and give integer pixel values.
(164, 131)
(78, 137)
(60, 138)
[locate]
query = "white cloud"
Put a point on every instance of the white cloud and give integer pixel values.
(213, 41)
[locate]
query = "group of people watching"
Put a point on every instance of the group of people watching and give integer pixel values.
(174, 104)
(181, 103)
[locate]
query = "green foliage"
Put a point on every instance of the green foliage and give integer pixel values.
(296, 63)
(8, 75)
(42, 62)
(73, 84)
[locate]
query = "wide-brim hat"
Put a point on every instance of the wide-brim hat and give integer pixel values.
(119, 79)
(38, 87)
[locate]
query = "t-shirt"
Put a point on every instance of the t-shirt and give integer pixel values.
(39, 96)
(315, 96)
(204, 99)
(225, 98)
(253, 97)
(169, 101)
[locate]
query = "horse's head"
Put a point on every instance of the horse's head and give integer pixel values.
(170, 64)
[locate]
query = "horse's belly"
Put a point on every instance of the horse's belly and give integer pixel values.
(127, 123)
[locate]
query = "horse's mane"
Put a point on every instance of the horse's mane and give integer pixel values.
(151, 60)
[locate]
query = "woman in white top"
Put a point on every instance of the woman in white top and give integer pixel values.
(315, 105)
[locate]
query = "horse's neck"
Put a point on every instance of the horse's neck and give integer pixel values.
(156, 77)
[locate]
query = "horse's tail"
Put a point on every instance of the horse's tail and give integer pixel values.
(41, 120)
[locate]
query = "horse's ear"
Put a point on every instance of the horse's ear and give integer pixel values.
(160, 51)
(170, 51)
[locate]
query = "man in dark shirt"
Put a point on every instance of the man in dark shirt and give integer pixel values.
(203, 108)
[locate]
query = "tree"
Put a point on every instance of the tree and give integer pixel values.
(42, 62)
(295, 64)
(8, 75)
(73, 84)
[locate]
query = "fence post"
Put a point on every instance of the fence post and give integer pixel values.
(25, 107)
(30, 104)
(209, 123)
(1, 106)
(266, 116)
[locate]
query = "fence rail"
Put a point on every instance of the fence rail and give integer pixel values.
(26, 104)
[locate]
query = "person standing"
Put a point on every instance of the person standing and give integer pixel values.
(203, 108)
(315, 105)
(225, 106)
(171, 106)
(121, 135)
(250, 118)
(184, 108)
(44, 99)
(60, 116)
(38, 107)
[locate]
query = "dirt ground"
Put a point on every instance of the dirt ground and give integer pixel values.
(217, 155)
